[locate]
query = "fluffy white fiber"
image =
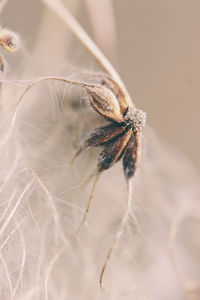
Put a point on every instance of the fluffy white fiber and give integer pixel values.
(42, 200)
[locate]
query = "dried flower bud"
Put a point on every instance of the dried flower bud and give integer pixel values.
(2, 64)
(112, 85)
(104, 102)
(9, 40)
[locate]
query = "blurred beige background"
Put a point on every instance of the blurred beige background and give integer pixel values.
(158, 47)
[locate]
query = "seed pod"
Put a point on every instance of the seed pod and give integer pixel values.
(9, 40)
(110, 83)
(104, 102)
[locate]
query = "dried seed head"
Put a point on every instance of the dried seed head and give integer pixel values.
(9, 40)
(2, 65)
(104, 102)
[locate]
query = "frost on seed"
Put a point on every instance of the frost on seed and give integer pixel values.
(137, 116)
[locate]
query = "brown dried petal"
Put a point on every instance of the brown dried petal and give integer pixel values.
(104, 102)
(113, 151)
(104, 135)
(132, 155)
(118, 91)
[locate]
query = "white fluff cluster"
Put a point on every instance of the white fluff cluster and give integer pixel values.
(137, 116)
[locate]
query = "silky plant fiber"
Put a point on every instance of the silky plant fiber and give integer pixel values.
(44, 188)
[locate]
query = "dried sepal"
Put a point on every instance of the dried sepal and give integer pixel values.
(110, 83)
(9, 40)
(2, 64)
(103, 135)
(132, 155)
(118, 91)
(104, 102)
(113, 151)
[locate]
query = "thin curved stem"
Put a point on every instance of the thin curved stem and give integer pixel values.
(40, 79)
(82, 187)
(7, 275)
(117, 236)
(3, 5)
(9, 218)
(62, 12)
(49, 269)
(103, 25)
(87, 208)
(19, 279)
(76, 155)
(51, 202)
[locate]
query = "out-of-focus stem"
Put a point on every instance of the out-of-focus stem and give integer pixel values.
(2, 5)
(102, 21)
(58, 7)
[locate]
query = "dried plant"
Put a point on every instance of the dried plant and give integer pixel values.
(52, 145)
(10, 42)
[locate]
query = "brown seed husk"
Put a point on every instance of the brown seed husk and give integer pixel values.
(105, 102)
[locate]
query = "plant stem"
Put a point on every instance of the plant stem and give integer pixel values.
(62, 12)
